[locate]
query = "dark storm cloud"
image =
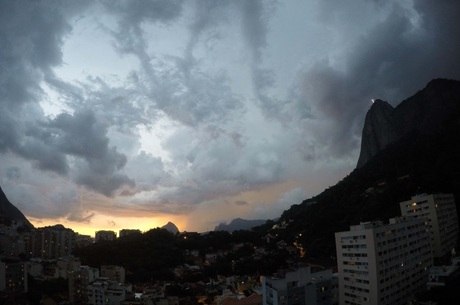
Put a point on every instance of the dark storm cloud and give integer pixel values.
(81, 135)
(31, 36)
(145, 10)
(255, 16)
(13, 173)
(216, 166)
(254, 19)
(132, 15)
(147, 179)
(395, 58)
(174, 85)
(79, 216)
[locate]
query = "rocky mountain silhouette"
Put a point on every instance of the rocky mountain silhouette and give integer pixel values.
(426, 112)
(9, 213)
(171, 227)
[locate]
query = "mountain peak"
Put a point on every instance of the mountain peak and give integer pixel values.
(425, 112)
(378, 104)
(171, 227)
(377, 132)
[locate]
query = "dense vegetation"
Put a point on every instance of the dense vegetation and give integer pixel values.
(154, 254)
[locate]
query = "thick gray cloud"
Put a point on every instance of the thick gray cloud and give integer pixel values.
(82, 136)
(32, 35)
(38, 195)
(178, 87)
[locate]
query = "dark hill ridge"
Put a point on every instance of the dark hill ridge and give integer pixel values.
(425, 112)
(9, 213)
(424, 157)
(239, 224)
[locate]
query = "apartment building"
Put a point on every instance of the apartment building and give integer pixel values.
(13, 276)
(128, 232)
(79, 280)
(440, 215)
(105, 235)
(51, 242)
(300, 287)
(383, 263)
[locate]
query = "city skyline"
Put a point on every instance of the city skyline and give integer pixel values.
(121, 115)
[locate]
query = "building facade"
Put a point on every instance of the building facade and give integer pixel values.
(128, 232)
(79, 281)
(300, 287)
(51, 242)
(105, 235)
(383, 263)
(13, 276)
(113, 273)
(440, 214)
(105, 292)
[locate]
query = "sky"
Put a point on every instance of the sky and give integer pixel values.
(129, 114)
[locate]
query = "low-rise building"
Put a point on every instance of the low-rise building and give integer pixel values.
(102, 291)
(113, 273)
(300, 287)
(442, 275)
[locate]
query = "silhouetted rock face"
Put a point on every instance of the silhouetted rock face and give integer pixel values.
(377, 132)
(9, 213)
(426, 112)
(171, 227)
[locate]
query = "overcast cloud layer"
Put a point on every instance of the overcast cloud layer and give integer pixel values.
(186, 107)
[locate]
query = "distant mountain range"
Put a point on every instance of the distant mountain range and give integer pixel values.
(412, 148)
(239, 224)
(10, 213)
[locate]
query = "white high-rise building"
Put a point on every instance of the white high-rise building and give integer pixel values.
(382, 263)
(440, 214)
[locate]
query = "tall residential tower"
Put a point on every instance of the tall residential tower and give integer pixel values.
(440, 215)
(382, 263)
